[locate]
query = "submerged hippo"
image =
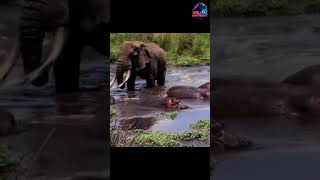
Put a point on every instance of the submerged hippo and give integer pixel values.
(155, 101)
(190, 92)
(309, 76)
(250, 97)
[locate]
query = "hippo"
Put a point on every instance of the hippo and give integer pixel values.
(190, 92)
(169, 103)
(309, 76)
(291, 97)
(297, 96)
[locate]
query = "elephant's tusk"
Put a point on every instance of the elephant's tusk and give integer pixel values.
(9, 64)
(126, 79)
(112, 81)
(58, 44)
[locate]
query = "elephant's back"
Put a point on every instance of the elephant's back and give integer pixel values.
(157, 49)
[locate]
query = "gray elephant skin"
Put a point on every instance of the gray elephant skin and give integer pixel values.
(144, 59)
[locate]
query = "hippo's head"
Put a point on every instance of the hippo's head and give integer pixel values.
(174, 103)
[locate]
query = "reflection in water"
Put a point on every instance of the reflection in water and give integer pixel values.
(39, 105)
(143, 123)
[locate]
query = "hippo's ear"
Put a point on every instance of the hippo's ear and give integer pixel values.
(146, 50)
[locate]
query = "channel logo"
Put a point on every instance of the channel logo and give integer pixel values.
(199, 11)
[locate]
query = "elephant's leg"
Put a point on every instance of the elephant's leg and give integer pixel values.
(31, 54)
(67, 68)
(31, 35)
(161, 78)
(131, 82)
(150, 81)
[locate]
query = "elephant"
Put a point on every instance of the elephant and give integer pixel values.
(73, 25)
(144, 59)
(266, 98)
(189, 92)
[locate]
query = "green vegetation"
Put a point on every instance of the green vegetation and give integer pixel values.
(8, 161)
(316, 28)
(113, 112)
(183, 49)
(200, 131)
(249, 8)
(118, 136)
(171, 115)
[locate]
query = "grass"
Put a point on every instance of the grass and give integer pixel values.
(8, 162)
(113, 112)
(183, 49)
(316, 28)
(171, 115)
(118, 137)
(200, 131)
(251, 8)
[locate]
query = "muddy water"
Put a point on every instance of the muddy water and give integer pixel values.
(145, 116)
(71, 118)
(57, 135)
(268, 48)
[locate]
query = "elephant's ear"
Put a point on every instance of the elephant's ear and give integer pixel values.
(146, 50)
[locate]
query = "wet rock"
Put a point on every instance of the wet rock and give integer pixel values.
(7, 123)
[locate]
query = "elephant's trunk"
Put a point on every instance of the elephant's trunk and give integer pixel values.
(119, 71)
(10, 62)
(58, 44)
(126, 79)
(112, 81)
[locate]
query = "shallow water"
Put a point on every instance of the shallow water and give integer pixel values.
(269, 48)
(145, 116)
(52, 128)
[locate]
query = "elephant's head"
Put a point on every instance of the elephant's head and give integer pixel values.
(133, 56)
